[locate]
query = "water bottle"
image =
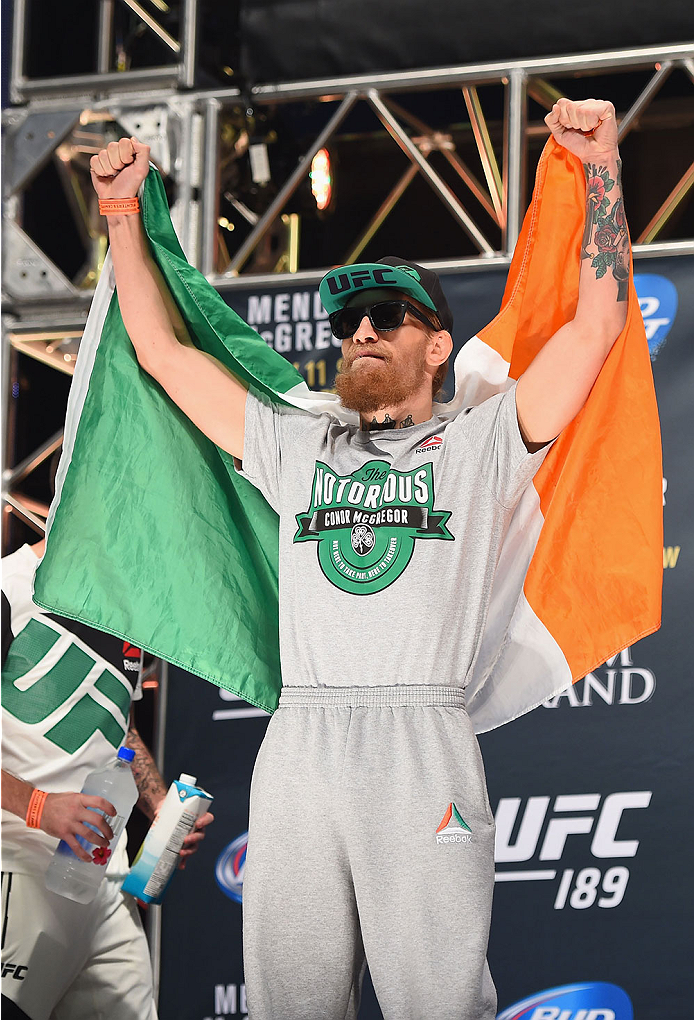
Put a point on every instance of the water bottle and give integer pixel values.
(77, 879)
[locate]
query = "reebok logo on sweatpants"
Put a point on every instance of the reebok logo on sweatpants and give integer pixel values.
(453, 827)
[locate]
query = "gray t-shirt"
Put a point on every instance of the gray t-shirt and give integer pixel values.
(388, 541)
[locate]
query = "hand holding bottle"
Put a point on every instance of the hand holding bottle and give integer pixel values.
(69, 815)
(79, 875)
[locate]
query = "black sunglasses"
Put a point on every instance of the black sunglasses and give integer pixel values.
(383, 316)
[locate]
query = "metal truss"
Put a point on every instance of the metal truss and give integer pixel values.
(185, 131)
(57, 348)
(68, 138)
(46, 310)
(502, 195)
(107, 77)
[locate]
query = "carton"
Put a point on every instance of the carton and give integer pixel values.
(157, 858)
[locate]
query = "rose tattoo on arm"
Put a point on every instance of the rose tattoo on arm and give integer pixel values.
(606, 227)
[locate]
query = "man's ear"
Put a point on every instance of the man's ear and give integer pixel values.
(441, 347)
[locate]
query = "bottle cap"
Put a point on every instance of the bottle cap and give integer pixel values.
(188, 780)
(126, 753)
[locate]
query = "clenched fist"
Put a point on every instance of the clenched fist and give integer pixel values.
(587, 128)
(119, 169)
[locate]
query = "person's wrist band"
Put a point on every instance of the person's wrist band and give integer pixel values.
(35, 809)
(119, 206)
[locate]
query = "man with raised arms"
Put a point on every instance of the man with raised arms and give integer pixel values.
(371, 835)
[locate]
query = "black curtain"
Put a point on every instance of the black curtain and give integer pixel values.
(285, 40)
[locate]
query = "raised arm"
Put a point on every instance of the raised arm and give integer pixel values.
(554, 388)
(213, 398)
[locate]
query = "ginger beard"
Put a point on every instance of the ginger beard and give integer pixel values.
(380, 378)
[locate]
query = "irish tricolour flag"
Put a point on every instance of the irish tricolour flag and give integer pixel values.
(154, 537)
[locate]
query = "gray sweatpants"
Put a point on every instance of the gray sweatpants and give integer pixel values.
(371, 839)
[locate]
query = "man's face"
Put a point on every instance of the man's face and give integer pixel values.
(383, 369)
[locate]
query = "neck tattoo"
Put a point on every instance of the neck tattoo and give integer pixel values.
(390, 423)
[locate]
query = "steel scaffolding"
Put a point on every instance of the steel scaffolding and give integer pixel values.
(65, 119)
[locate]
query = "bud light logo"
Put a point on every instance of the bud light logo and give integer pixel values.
(590, 1001)
(658, 303)
(230, 867)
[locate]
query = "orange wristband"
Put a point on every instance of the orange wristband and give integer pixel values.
(35, 809)
(119, 206)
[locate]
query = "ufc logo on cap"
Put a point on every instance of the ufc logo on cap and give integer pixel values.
(346, 281)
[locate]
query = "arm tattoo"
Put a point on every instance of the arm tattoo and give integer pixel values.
(146, 774)
(606, 237)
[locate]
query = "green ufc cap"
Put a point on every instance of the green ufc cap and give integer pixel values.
(340, 286)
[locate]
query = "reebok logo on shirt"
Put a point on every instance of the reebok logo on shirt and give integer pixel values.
(434, 443)
(131, 658)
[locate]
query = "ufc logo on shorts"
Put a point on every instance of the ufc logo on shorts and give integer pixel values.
(14, 970)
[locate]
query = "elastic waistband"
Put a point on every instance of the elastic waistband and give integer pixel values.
(395, 696)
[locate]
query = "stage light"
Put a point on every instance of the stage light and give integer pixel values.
(321, 179)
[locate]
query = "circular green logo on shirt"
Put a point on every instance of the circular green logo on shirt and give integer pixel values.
(366, 523)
